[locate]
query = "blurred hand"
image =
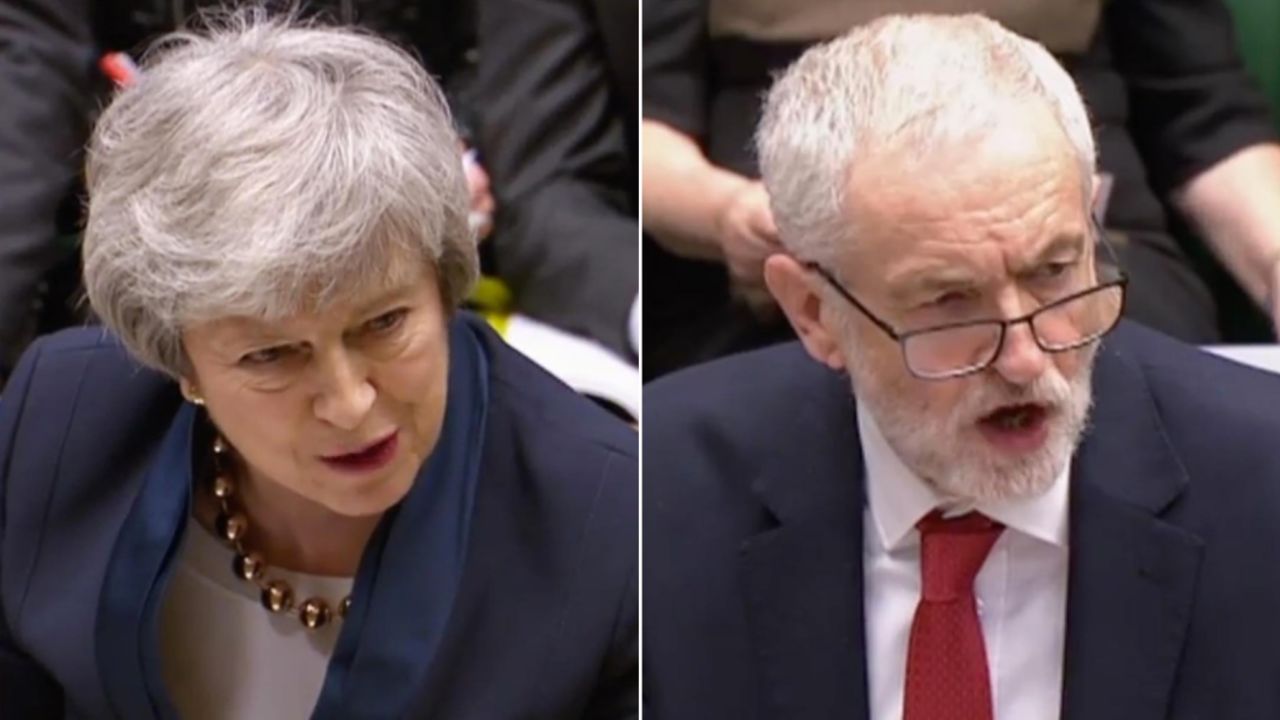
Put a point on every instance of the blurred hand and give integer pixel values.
(759, 300)
(482, 202)
(747, 235)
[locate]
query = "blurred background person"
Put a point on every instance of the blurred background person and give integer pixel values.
(557, 99)
(1184, 137)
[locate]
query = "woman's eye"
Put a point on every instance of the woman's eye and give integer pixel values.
(265, 356)
(386, 322)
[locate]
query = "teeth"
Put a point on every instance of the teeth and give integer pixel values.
(1014, 420)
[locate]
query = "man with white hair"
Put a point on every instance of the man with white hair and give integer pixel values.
(1029, 509)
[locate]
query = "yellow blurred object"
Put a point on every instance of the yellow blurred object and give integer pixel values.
(493, 300)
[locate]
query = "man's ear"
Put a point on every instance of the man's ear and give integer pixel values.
(792, 286)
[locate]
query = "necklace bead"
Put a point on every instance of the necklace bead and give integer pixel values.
(231, 526)
(248, 566)
(223, 488)
(276, 594)
(314, 613)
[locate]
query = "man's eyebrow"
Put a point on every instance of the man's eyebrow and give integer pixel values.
(910, 283)
(1059, 243)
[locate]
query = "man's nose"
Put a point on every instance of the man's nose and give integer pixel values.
(1021, 361)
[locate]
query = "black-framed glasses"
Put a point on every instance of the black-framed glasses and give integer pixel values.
(952, 350)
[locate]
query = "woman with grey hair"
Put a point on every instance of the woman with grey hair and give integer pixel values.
(289, 479)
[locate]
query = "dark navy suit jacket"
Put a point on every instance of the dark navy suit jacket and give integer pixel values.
(540, 621)
(753, 582)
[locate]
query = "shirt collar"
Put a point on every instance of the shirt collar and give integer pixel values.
(899, 498)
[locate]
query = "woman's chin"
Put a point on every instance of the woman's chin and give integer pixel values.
(365, 495)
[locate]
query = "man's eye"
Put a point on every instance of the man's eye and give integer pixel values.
(386, 322)
(1053, 270)
(954, 297)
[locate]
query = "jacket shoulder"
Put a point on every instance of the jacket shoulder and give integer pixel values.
(77, 403)
(1197, 391)
(78, 421)
(1218, 417)
(562, 457)
(732, 392)
(720, 418)
(72, 378)
(713, 431)
(544, 405)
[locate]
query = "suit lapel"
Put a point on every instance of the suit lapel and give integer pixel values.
(802, 579)
(1132, 575)
(127, 631)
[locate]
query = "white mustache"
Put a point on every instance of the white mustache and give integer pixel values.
(1050, 390)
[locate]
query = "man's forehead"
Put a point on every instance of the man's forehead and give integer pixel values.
(943, 265)
(895, 199)
(1019, 138)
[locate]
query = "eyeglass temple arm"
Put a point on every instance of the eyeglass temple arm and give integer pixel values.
(835, 284)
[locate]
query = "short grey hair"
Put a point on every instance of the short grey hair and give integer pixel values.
(918, 79)
(261, 166)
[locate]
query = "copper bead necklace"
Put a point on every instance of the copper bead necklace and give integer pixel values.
(232, 526)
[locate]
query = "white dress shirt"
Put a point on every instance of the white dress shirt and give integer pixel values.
(1021, 589)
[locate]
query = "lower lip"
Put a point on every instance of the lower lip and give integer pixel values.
(1020, 440)
(375, 458)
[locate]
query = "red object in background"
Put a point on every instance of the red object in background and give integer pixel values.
(119, 68)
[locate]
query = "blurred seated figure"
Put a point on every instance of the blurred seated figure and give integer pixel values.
(557, 99)
(289, 478)
(1182, 134)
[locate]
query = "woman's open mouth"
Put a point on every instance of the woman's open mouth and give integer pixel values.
(373, 457)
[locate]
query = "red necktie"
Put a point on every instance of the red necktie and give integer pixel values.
(946, 659)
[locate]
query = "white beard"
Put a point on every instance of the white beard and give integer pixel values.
(948, 453)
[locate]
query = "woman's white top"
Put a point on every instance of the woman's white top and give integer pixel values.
(224, 655)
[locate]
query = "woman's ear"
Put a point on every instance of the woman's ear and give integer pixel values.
(190, 391)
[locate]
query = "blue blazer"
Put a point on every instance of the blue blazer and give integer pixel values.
(504, 587)
(753, 597)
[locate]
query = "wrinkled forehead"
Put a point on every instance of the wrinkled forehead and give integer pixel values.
(307, 277)
(348, 307)
(367, 280)
(1015, 186)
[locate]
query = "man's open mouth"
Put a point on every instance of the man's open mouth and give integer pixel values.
(1016, 417)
